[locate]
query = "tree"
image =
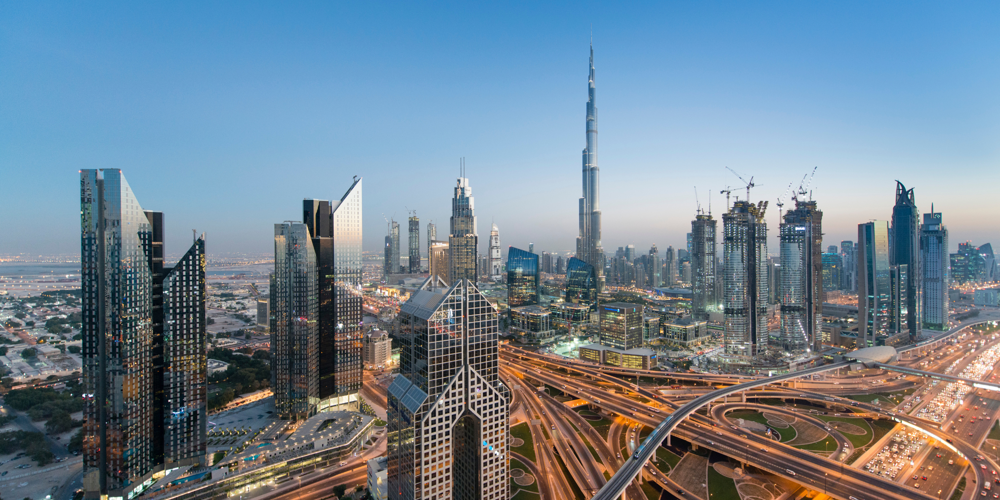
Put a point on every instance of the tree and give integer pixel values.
(339, 490)
(3, 350)
(59, 423)
(62, 348)
(74, 349)
(29, 353)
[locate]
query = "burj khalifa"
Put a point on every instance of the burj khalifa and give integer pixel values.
(588, 244)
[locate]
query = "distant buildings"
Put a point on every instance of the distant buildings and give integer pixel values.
(532, 323)
(935, 262)
(439, 260)
(390, 263)
(377, 349)
(496, 266)
(849, 269)
(702, 278)
(801, 277)
(588, 243)
(973, 265)
(745, 280)
(654, 268)
(686, 332)
(431, 238)
(448, 411)
(463, 243)
(904, 256)
(522, 278)
(139, 333)
(263, 314)
(414, 261)
(833, 270)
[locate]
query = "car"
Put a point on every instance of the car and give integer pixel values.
(982, 493)
(790, 472)
(938, 455)
(916, 485)
(719, 433)
(923, 477)
(764, 450)
(914, 477)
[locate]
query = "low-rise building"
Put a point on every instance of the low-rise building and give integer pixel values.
(378, 486)
(639, 358)
(650, 328)
(216, 366)
(263, 314)
(533, 324)
(988, 298)
(377, 349)
(570, 316)
(685, 332)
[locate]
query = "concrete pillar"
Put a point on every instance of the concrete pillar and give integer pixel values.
(744, 394)
(668, 440)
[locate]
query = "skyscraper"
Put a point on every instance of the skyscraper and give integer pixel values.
(139, 319)
(670, 267)
(414, 243)
(621, 325)
(432, 235)
(588, 244)
(849, 271)
(905, 256)
(496, 267)
(439, 261)
(875, 311)
(934, 255)
(522, 278)
(745, 279)
(801, 277)
(447, 409)
(655, 268)
(336, 233)
(702, 240)
(581, 283)
(464, 240)
(833, 268)
(391, 262)
(294, 316)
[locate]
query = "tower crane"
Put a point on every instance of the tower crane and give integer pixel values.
(781, 201)
(803, 187)
(749, 184)
(696, 202)
(726, 192)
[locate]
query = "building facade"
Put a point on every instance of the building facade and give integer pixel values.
(745, 287)
(432, 235)
(904, 256)
(588, 243)
(849, 271)
(581, 283)
(621, 325)
(439, 261)
(703, 297)
(496, 266)
(522, 278)
(833, 271)
(876, 316)
(414, 262)
(377, 349)
(447, 409)
(391, 262)
(801, 277)
(463, 243)
(294, 317)
(935, 279)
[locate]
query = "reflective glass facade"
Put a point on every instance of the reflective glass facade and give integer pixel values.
(745, 286)
(905, 255)
(588, 243)
(801, 277)
(414, 245)
(621, 325)
(581, 283)
(703, 297)
(833, 269)
(294, 315)
(875, 310)
(463, 244)
(934, 255)
(522, 278)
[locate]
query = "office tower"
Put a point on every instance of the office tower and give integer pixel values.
(630, 253)
(531, 248)
(391, 262)
(935, 259)
(702, 243)
(832, 249)
(522, 278)
(849, 271)
(686, 272)
(463, 243)
(581, 282)
(439, 261)
(496, 267)
(905, 256)
(560, 265)
(875, 310)
(655, 268)
(588, 244)
(414, 243)
(989, 263)
(294, 316)
(621, 325)
(833, 268)
(773, 280)
(432, 235)
(335, 228)
(447, 409)
(670, 267)
(744, 250)
(137, 333)
(801, 235)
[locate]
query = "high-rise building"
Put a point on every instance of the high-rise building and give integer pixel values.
(588, 244)
(621, 325)
(336, 233)
(391, 262)
(581, 283)
(745, 290)
(905, 256)
(801, 277)
(448, 409)
(832, 249)
(670, 267)
(496, 266)
(294, 317)
(875, 295)
(702, 240)
(522, 278)
(463, 243)
(655, 268)
(849, 271)
(935, 263)
(531, 248)
(560, 265)
(439, 261)
(432, 235)
(414, 243)
(145, 324)
(833, 268)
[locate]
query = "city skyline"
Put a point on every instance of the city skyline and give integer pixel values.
(669, 120)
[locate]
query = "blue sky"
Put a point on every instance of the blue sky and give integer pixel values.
(226, 115)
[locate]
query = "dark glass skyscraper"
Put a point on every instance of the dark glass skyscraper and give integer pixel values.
(463, 243)
(414, 244)
(447, 409)
(935, 263)
(581, 282)
(294, 315)
(745, 280)
(336, 233)
(522, 278)
(849, 273)
(588, 244)
(801, 277)
(143, 329)
(702, 240)
(876, 316)
(905, 256)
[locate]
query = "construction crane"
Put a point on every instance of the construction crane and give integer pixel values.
(749, 184)
(804, 185)
(696, 202)
(726, 192)
(781, 200)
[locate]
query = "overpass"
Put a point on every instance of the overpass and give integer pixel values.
(614, 488)
(978, 384)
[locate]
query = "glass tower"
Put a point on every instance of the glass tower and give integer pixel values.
(849, 271)
(801, 277)
(905, 256)
(833, 269)
(447, 409)
(294, 315)
(414, 244)
(621, 325)
(745, 280)
(875, 310)
(588, 243)
(581, 283)
(703, 297)
(934, 255)
(463, 243)
(522, 278)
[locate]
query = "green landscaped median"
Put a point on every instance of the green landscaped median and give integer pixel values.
(995, 431)
(721, 487)
(516, 464)
(787, 434)
(651, 492)
(855, 439)
(522, 432)
(827, 444)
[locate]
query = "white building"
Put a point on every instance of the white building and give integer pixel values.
(377, 349)
(378, 486)
(216, 366)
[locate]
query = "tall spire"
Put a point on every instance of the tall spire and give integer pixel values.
(588, 247)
